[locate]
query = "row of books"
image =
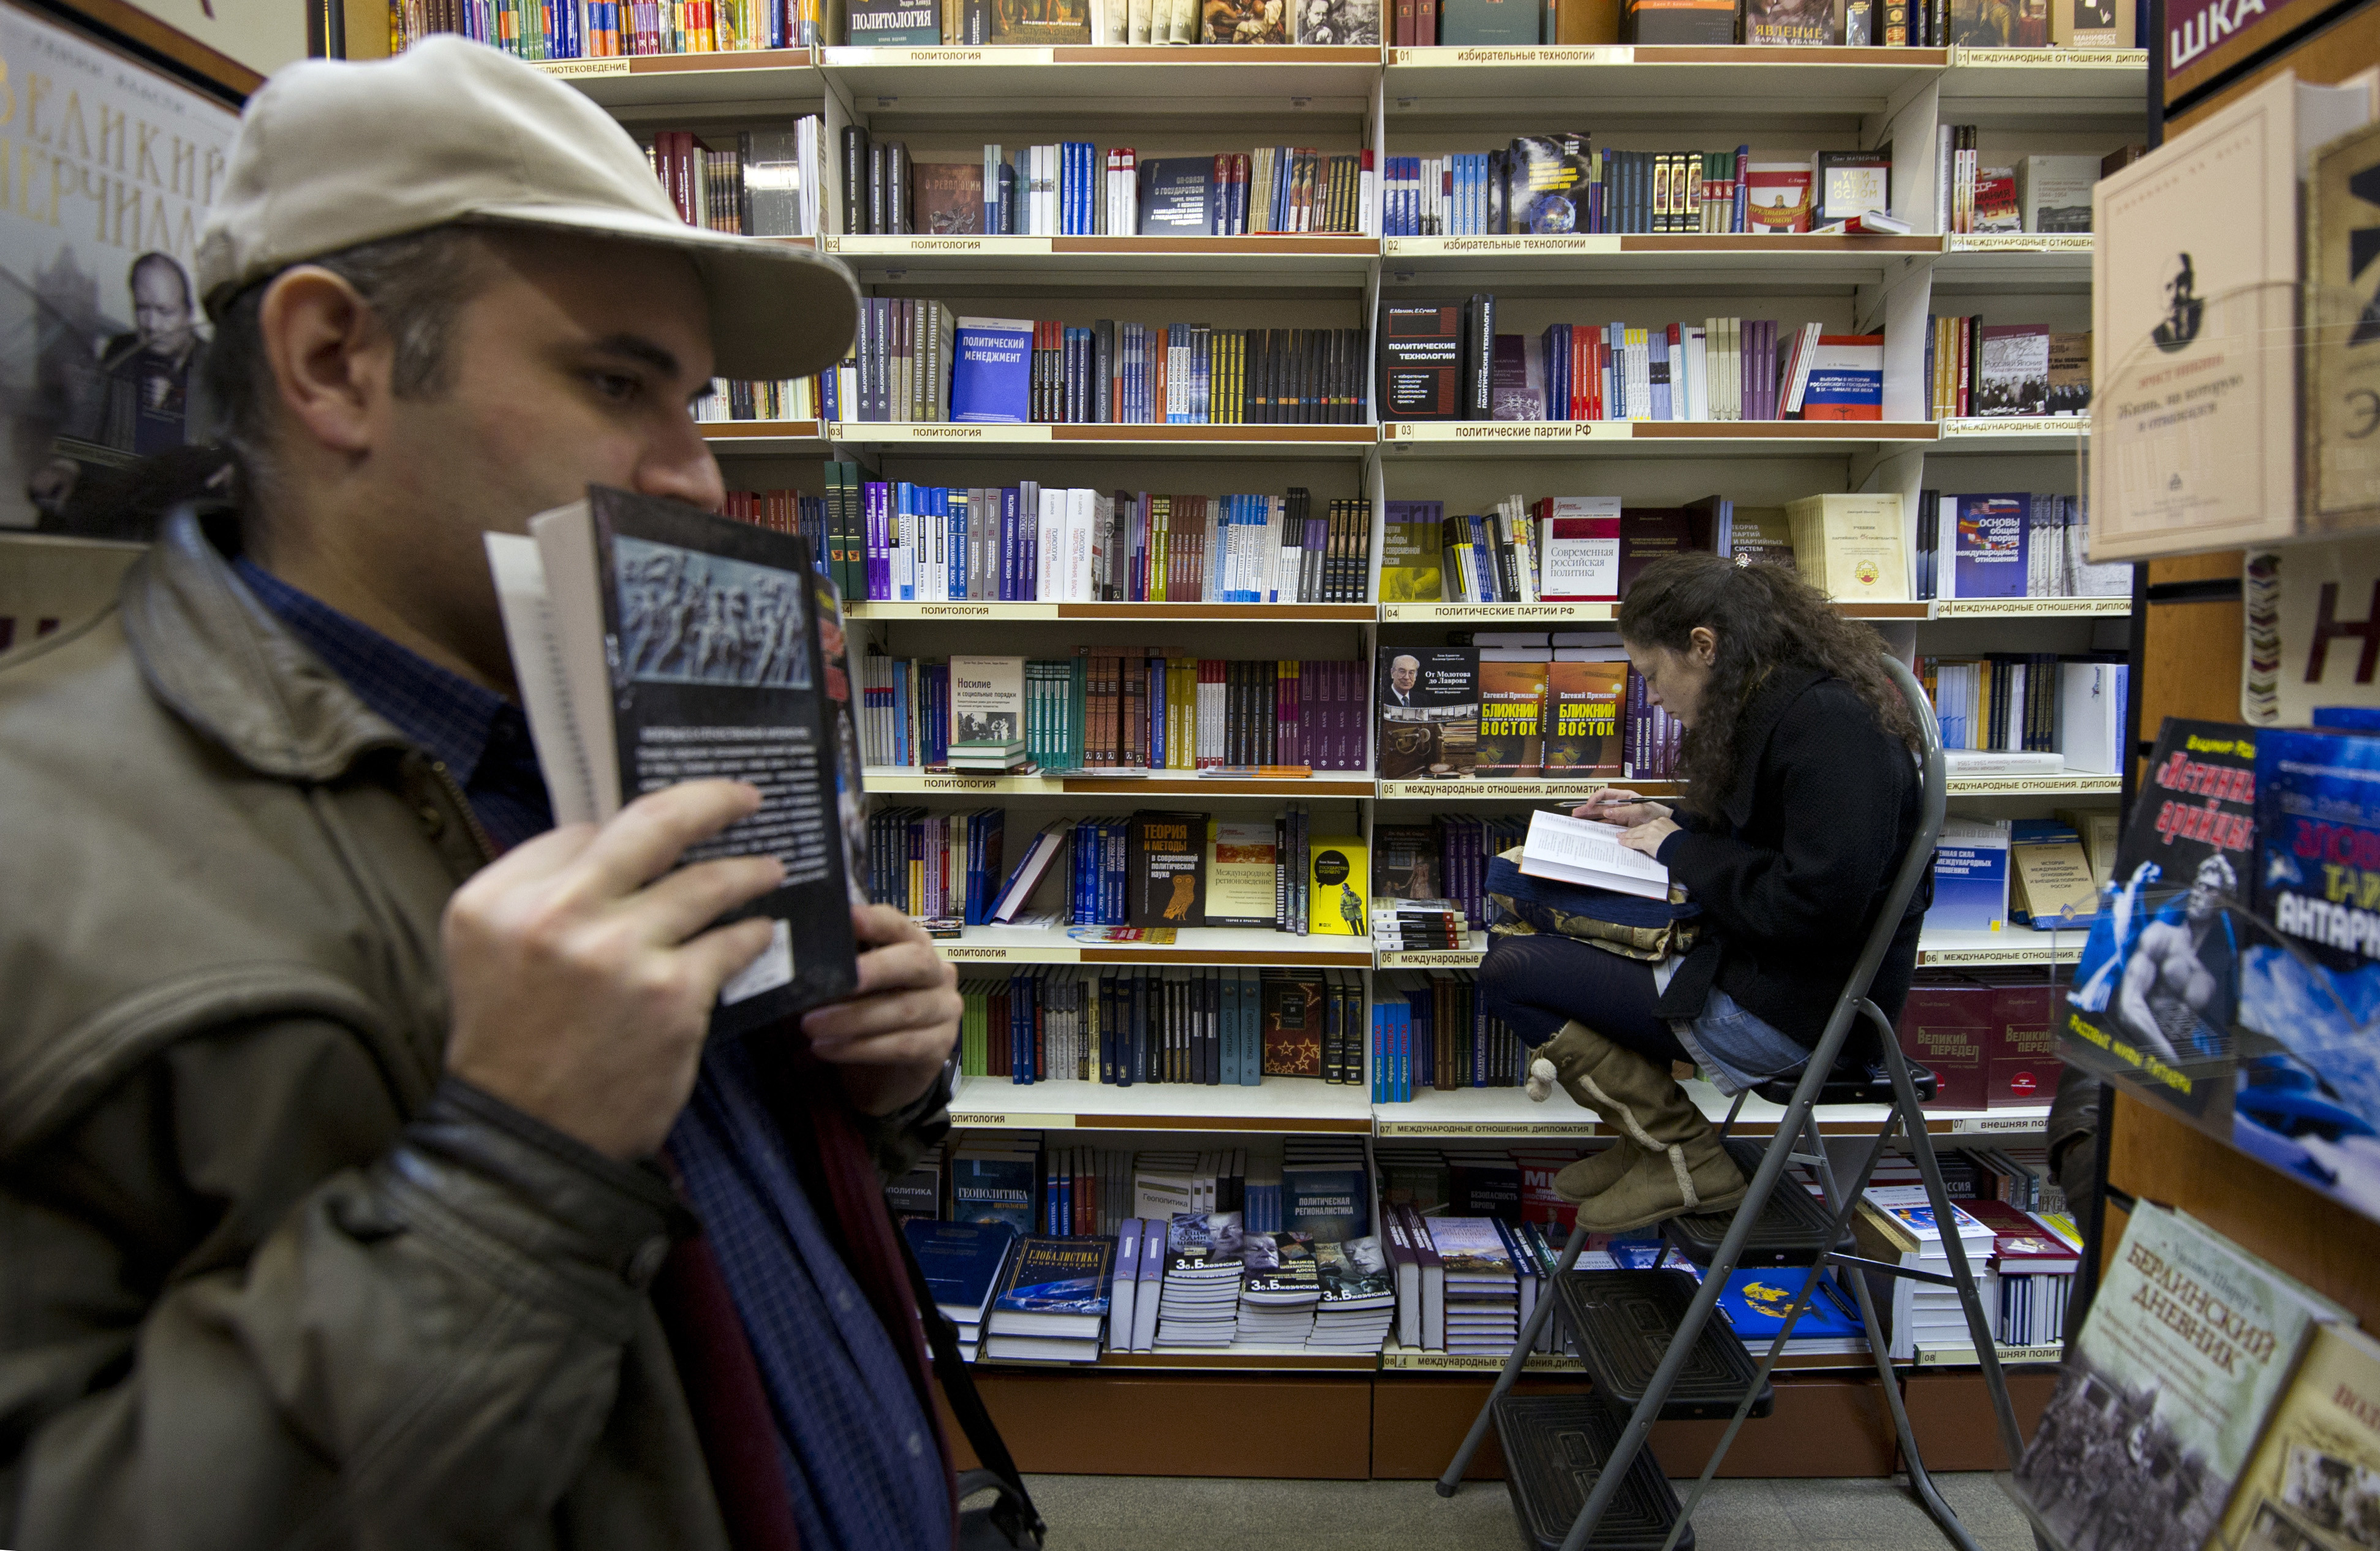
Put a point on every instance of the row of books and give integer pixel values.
(1560, 184)
(1030, 542)
(1447, 362)
(1079, 189)
(1430, 1032)
(918, 361)
(1113, 711)
(1183, 870)
(1217, 1027)
(2012, 544)
(1012, 1180)
(1113, 23)
(2024, 1268)
(763, 183)
(2069, 709)
(1523, 710)
(1562, 549)
(2000, 370)
(541, 30)
(2197, 1350)
(1990, 1039)
(2044, 194)
(2051, 875)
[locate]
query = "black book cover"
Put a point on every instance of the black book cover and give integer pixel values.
(1479, 357)
(896, 189)
(879, 184)
(1421, 357)
(769, 703)
(1168, 869)
(1177, 196)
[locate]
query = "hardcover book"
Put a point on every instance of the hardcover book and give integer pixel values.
(2069, 375)
(1292, 1009)
(1040, 23)
(1704, 23)
(1583, 700)
(1337, 22)
(1848, 183)
(992, 372)
(1511, 719)
(962, 1263)
(2054, 192)
(1547, 182)
(1580, 543)
(1429, 713)
(1995, 210)
(627, 692)
(1780, 196)
(1846, 378)
(986, 701)
(995, 1187)
(1988, 551)
(1792, 23)
(2188, 1346)
(1409, 552)
(2313, 1483)
(1056, 1287)
(1240, 873)
(1852, 546)
(1760, 535)
(1421, 362)
(2012, 373)
(1168, 867)
(2342, 470)
(1489, 23)
(1243, 21)
(950, 198)
(1328, 1202)
(893, 24)
(1177, 197)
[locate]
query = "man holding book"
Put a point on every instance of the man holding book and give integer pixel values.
(366, 1176)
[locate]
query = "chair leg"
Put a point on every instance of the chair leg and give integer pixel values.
(1452, 1479)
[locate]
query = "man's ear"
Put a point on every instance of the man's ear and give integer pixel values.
(330, 357)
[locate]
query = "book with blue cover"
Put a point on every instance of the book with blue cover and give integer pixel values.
(1755, 1303)
(1328, 1202)
(1971, 877)
(1056, 1286)
(962, 1263)
(1989, 557)
(995, 1187)
(992, 370)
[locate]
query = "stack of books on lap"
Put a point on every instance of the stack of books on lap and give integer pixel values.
(1053, 1304)
(1199, 1300)
(1280, 1284)
(965, 1265)
(1359, 1297)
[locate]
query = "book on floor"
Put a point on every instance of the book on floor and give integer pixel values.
(629, 689)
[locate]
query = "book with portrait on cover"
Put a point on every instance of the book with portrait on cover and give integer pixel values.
(655, 643)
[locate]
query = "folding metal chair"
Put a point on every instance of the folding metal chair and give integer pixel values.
(1784, 1228)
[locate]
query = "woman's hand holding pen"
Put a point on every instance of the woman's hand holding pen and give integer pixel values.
(1648, 824)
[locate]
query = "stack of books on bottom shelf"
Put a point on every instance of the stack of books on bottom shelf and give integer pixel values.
(965, 1265)
(1199, 1295)
(1895, 1224)
(1279, 1286)
(1359, 1297)
(1756, 1301)
(1483, 1286)
(1053, 1304)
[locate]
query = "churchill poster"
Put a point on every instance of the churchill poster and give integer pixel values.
(106, 170)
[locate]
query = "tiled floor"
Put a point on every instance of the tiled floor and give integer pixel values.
(1156, 1514)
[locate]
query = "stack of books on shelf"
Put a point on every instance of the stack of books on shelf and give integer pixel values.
(1448, 362)
(1896, 1225)
(1482, 1295)
(965, 1265)
(2011, 544)
(1115, 712)
(2009, 371)
(1076, 188)
(1052, 1305)
(1449, 853)
(2197, 1350)
(915, 359)
(2031, 1278)
(1358, 1302)
(1199, 1295)
(1279, 1286)
(1416, 925)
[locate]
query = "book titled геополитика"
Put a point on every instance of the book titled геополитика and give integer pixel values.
(655, 643)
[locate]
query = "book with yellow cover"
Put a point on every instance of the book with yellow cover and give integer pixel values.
(1854, 547)
(1341, 878)
(2313, 1484)
(1511, 719)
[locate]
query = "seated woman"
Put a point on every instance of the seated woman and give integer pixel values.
(1801, 801)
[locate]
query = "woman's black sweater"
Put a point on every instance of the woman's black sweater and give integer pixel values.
(1822, 809)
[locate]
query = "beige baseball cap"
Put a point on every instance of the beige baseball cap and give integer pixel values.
(331, 154)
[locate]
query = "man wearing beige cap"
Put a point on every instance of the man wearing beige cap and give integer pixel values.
(365, 1177)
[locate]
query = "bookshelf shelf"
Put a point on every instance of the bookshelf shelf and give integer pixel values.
(1511, 1113)
(2057, 434)
(2032, 609)
(1663, 260)
(1464, 958)
(1993, 84)
(1278, 1104)
(1232, 1360)
(1484, 614)
(1322, 784)
(1194, 945)
(2022, 262)
(1271, 614)
(1395, 1358)
(2068, 783)
(999, 82)
(775, 77)
(1168, 441)
(1799, 82)
(1646, 438)
(1202, 263)
(2017, 945)
(770, 438)
(1474, 789)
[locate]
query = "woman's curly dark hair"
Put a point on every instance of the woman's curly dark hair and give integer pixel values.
(1766, 618)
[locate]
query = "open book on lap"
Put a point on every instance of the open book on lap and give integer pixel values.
(1584, 852)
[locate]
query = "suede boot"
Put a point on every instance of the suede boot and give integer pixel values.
(1558, 1061)
(1673, 1161)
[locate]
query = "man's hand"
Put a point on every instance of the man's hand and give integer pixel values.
(582, 977)
(893, 1036)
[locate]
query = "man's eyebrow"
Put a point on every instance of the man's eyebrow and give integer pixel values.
(635, 346)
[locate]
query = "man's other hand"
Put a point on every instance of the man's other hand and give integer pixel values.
(583, 975)
(893, 1036)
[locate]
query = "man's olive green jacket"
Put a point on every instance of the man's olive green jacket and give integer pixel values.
(265, 1280)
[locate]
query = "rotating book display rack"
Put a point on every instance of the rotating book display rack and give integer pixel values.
(1400, 1415)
